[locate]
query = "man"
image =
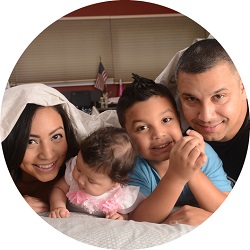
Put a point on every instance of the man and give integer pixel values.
(214, 103)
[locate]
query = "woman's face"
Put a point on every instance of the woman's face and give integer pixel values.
(47, 145)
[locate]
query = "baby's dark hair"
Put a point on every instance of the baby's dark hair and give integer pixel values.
(109, 150)
(141, 89)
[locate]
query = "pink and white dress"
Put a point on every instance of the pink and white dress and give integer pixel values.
(121, 199)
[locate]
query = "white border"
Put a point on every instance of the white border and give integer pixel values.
(22, 21)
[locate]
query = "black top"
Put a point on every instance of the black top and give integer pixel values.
(233, 152)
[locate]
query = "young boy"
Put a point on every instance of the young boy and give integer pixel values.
(171, 170)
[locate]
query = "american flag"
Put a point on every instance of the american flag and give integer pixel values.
(102, 77)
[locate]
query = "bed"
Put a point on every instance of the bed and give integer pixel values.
(112, 234)
(98, 232)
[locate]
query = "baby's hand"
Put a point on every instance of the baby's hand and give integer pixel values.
(117, 216)
(60, 212)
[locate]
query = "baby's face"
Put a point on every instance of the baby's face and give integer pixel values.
(90, 182)
(154, 127)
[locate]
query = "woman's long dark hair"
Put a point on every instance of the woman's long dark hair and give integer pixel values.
(14, 146)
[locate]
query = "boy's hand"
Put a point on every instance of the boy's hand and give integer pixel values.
(60, 212)
(194, 133)
(187, 156)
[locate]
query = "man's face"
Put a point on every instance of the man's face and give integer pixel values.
(214, 102)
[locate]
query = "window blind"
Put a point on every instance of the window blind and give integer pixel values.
(70, 50)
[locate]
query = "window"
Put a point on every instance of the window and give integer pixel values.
(70, 49)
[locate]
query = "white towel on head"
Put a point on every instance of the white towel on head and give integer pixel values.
(16, 98)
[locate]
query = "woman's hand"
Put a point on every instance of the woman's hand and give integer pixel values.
(36, 204)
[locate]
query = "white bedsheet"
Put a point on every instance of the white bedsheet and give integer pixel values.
(113, 234)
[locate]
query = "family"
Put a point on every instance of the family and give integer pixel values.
(136, 162)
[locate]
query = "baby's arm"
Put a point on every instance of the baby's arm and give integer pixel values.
(58, 200)
(186, 158)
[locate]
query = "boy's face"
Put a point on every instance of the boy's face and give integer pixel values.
(154, 127)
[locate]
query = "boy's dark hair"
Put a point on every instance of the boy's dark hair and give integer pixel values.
(141, 89)
(110, 151)
(202, 56)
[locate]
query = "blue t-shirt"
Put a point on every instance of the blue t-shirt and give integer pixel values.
(147, 177)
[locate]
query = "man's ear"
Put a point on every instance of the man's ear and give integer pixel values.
(243, 91)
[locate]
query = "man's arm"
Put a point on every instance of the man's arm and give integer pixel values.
(188, 215)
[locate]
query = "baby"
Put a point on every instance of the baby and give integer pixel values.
(95, 180)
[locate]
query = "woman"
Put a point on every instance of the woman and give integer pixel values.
(40, 131)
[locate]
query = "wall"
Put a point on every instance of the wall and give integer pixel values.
(123, 7)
